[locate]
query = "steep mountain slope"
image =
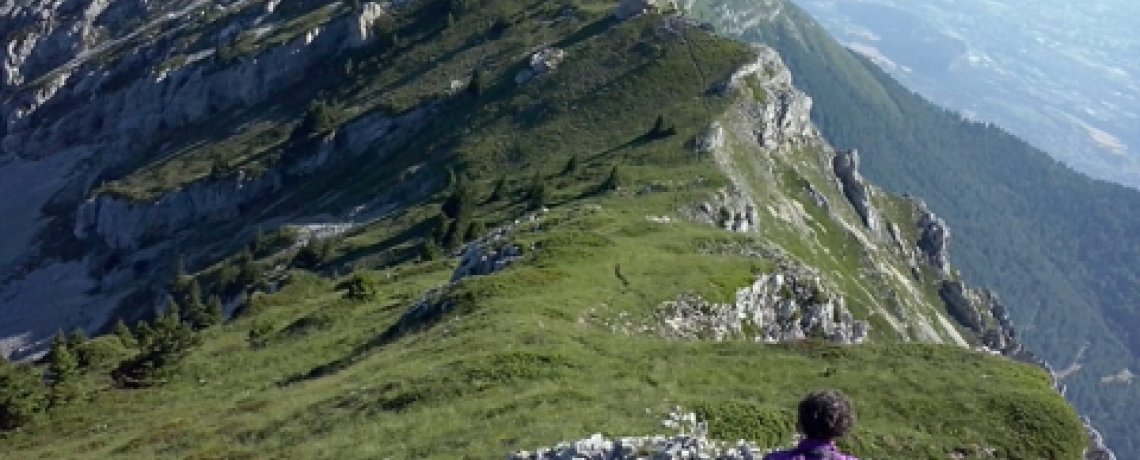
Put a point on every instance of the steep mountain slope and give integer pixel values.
(666, 227)
(1055, 244)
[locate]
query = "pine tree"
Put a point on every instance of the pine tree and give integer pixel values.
(538, 197)
(144, 334)
(474, 231)
(431, 250)
(75, 342)
(360, 289)
(215, 312)
(498, 191)
(453, 239)
(22, 395)
(169, 342)
(571, 166)
(475, 86)
(77, 338)
(126, 337)
(458, 204)
(658, 126)
(196, 313)
(613, 181)
(63, 373)
(318, 119)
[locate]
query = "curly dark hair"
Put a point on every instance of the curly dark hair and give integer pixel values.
(826, 415)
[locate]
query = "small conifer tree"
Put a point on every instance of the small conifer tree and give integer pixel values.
(499, 190)
(613, 181)
(215, 312)
(431, 250)
(22, 395)
(63, 373)
(571, 166)
(126, 337)
(475, 86)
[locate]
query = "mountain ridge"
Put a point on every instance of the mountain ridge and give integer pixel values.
(1044, 237)
(667, 206)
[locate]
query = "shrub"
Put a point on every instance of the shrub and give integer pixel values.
(360, 288)
(744, 420)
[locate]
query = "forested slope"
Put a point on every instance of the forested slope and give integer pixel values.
(1059, 247)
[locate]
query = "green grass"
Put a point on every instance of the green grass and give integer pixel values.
(537, 354)
(518, 370)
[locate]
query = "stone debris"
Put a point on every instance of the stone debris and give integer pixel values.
(542, 62)
(691, 442)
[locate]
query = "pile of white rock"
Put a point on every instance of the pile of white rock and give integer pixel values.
(691, 442)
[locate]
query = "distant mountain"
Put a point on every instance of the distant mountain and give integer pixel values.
(1058, 246)
(1063, 75)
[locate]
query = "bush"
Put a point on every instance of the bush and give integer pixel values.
(431, 250)
(360, 288)
(313, 255)
(744, 420)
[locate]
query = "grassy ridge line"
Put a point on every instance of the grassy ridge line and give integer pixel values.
(529, 359)
(530, 356)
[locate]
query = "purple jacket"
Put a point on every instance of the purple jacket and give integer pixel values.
(809, 445)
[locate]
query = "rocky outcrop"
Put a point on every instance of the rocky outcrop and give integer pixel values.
(87, 105)
(775, 308)
(542, 62)
(690, 442)
(485, 258)
(123, 223)
(933, 239)
(980, 311)
(1097, 449)
(630, 8)
(845, 165)
(779, 113)
(729, 209)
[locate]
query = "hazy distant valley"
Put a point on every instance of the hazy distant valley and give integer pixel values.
(1060, 74)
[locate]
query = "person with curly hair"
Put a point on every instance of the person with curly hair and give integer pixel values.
(824, 417)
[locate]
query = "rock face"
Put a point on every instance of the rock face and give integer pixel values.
(782, 114)
(845, 165)
(729, 209)
(82, 106)
(1097, 449)
(484, 258)
(775, 308)
(971, 308)
(934, 237)
(125, 224)
(542, 62)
